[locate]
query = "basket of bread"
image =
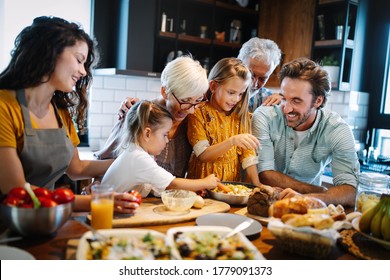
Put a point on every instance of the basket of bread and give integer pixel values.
(304, 226)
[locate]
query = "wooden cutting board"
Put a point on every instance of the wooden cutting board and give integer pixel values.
(153, 212)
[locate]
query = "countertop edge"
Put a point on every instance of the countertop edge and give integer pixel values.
(125, 72)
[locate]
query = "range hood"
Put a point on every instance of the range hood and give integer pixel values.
(125, 32)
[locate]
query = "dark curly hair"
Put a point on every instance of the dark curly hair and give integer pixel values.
(37, 48)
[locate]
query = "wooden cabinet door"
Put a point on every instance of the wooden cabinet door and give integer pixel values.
(290, 25)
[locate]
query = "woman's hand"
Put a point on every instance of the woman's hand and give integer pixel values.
(125, 106)
(245, 141)
(125, 203)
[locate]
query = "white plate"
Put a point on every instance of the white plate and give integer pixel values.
(13, 253)
(229, 220)
(215, 229)
(384, 243)
(83, 247)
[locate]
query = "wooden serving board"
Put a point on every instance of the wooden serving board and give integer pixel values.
(153, 212)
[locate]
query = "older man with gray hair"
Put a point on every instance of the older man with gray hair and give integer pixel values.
(261, 56)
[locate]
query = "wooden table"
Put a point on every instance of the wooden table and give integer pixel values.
(55, 247)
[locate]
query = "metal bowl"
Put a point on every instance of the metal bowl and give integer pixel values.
(229, 198)
(36, 222)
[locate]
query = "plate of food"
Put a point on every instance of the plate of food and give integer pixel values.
(384, 243)
(208, 243)
(229, 220)
(13, 253)
(121, 244)
(233, 193)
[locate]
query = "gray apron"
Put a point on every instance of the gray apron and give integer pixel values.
(46, 153)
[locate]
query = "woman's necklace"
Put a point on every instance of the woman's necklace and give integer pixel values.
(166, 151)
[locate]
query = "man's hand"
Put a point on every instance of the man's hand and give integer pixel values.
(287, 192)
(273, 99)
(125, 106)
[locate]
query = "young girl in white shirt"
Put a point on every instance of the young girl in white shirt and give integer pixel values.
(145, 135)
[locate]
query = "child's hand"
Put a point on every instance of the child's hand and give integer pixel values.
(125, 203)
(245, 141)
(211, 182)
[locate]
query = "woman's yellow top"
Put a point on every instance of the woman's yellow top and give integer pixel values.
(12, 124)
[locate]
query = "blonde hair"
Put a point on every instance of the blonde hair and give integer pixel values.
(226, 69)
(184, 77)
(141, 115)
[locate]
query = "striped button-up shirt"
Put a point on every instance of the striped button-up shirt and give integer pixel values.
(329, 140)
(257, 98)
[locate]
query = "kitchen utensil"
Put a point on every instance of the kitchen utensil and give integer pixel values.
(239, 228)
(10, 239)
(230, 220)
(96, 234)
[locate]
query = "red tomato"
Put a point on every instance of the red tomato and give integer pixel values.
(62, 195)
(47, 202)
(20, 193)
(27, 205)
(11, 201)
(42, 192)
(137, 195)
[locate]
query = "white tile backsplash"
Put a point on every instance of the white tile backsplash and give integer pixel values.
(114, 82)
(107, 93)
(136, 83)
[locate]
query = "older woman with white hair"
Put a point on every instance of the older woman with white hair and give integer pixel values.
(183, 85)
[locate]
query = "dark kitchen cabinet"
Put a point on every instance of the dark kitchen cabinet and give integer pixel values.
(334, 38)
(145, 35)
(183, 29)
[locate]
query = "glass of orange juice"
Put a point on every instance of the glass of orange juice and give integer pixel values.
(102, 206)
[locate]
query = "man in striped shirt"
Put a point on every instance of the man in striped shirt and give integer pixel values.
(261, 56)
(300, 137)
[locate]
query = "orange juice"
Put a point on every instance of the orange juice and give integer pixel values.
(102, 211)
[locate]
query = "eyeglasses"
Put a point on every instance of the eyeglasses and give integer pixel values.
(187, 105)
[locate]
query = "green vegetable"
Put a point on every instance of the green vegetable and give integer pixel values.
(34, 198)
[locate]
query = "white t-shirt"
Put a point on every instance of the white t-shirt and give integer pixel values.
(136, 169)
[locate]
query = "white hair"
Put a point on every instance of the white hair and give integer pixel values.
(185, 77)
(264, 50)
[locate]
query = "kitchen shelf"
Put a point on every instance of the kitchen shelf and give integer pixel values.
(168, 35)
(194, 39)
(216, 15)
(329, 14)
(333, 43)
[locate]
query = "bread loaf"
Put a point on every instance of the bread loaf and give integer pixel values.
(294, 205)
(260, 200)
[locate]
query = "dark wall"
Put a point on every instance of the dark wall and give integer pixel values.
(105, 30)
(374, 58)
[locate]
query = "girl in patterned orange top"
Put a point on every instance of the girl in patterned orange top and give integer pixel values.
(220, 132)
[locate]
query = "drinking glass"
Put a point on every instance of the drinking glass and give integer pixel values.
(102, 206)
